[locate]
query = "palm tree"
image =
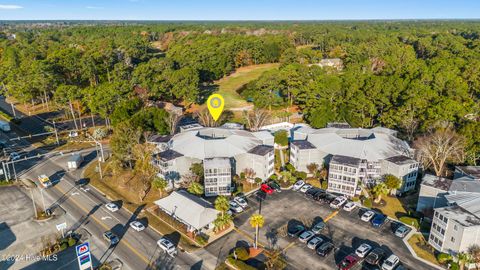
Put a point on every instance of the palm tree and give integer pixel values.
(379, 190)
(474, 251)
(160, 184)
(256, 221)
(392, 182)
(221, 204)
(463, 258)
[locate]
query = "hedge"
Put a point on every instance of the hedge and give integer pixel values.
(367, 203)
(443, 258)
(410, 221)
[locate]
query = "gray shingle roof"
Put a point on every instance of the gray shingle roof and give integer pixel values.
(168, 155)
(345, 160)
(436, 182)
(401, 160)
(303, 144)
(261, 150)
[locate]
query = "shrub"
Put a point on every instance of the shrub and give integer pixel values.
(63, 246)
(355, 199)
(274, 177)
(410, 221)
(201, 240)
(242, 175)
(290, 167)
(367, 202)
(242, 253)
(454, 266)
(324, 184)
(71, 242)
(100, 133)
(301, 175)
(258, 180)
(443, 258)
(281, 137)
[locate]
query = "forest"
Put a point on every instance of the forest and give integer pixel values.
(410, 75)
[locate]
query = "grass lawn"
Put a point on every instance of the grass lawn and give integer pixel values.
(393, 207)
(417, 242)
(229, 85)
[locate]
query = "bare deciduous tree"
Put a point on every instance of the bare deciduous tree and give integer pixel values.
(256, 118)
(437, 148)
(205, 119)
(249, 174)
(172, 120)
(410, 125)
(144, 168)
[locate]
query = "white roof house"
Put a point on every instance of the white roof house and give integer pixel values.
(189, 209)
(370, 144)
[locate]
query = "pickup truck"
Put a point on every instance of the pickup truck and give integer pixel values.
(44, 181)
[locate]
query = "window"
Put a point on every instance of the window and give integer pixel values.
(436, 214)
(452, 239)
(443, 232)
(455, 227)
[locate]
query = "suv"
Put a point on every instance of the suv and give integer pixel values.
(401, 231)
(391, 262)
(167, 246)
(378, 220)
(274, 185)
(295, 230)
(348, 262)
(111, 237)
(338, 202)
(312, 191)
(324, 249)
(318, 227)
(375, 256)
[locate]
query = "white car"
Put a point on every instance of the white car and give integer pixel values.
(306, 236)
(391, 262)
(314, 242)
(167, 246)
(111, 207)
(367, 216)
(305, 188)
(298, 185)
(235, 207)
(363, 250)
(137, 226)
(349, 206)
(241, 201)
(338, 202)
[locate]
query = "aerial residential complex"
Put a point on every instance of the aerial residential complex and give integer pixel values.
(456, 207)
(223, 152)
(354, 155)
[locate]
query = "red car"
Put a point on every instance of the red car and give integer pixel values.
(348, 262)
(266, 188)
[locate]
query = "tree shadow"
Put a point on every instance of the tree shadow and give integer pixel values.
(272, 237)
(84, 218)
(61, 200)
(205, 91)
(55, 178)
(8, 237)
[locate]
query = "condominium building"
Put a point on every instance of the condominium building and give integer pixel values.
(372, 153)
(217, 176)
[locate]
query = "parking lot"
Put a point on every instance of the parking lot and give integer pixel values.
(344, 229)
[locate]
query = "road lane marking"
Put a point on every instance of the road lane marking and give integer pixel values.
(125, 242)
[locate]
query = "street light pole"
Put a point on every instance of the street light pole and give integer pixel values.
(34, 206)
(56, 134)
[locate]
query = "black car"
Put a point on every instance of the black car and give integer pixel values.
(329, 198)
(274, 185)
(319, 196)
(375, 256)
(295, 230)
(325, 249)
(311, 192)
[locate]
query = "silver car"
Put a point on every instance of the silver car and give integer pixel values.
(314, 242)
(305, 236)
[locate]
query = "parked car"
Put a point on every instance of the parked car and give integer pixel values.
(363, 250)
(319, 195)
(324, 249)
(348, 262)
(391, 262)
(239, 200)
(274, 185)
(305, 236)
(318, 227)
(241, 195)
(314, 242)
(401, 231)
(312, 191)
(378, 220)
(167, 246)
(235, 207)
(298, 185)
(329, 198)
(305, 188)
(111, 207)
(338, 202)
(367, 216)
(14, 156)
(137, 226)
(349, 206)
(375, 256)
(111, 238)
(295, 230)
(267, 189)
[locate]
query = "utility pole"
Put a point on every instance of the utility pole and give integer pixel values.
(56, 134)
(13, 110)
(43, 200)
(33, 201)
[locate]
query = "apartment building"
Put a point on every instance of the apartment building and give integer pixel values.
(217, 176)
(343, 175)
(404, 168)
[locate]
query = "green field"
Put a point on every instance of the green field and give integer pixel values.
(228, 86)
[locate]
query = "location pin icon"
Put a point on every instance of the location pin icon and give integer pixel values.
(215, 104)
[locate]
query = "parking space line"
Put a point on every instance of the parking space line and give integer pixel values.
(333, 214)
(245, 234)
(288, 246)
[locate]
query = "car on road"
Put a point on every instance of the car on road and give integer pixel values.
(295, 230)
(167, 246)
(325, 249)
(338, 202)
(363, 250)
(14, 156)
(375, 256)
(266, 188)
(274, 185)
(137, 226)
(111, 207)
(299, 184)
(348, 262)
(367, 216)
(44, 181)
(401, 231)
(305, 188)
(235, 207)
(318, 227)
(349, 206)
(391, 262)
(378, 220)
(242, 202)
(314, 242)
(305, 236)
(111, 238)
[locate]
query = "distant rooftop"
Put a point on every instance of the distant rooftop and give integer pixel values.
(338, 125)
(303, 144)
(261, 150)
(345, 160)
(436, 182)
(168, 155)
(401, 160)
(473, 171)
(465, 184)
(216, 163)
(159, 138)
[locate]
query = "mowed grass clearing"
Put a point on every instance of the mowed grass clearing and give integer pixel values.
(228, 86)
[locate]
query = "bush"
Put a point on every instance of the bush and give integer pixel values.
(355, 199)
(290, 167)
(443, 258)
(201, 240)
(324, 184)
(454, 266)
(242, 253)
(258, 180)
(281, 137)
(367, 202)
(410, 221)
(301, 175)
(242, 175)
(71, 242)
(63, 246)
(100, 133)
(274, 177)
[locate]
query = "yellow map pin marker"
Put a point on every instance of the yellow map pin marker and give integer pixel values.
(215, 105)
